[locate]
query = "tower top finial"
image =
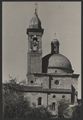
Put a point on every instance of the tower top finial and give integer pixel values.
(36, 7)
(55, 36)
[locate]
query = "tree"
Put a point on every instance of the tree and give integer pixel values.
(18, 108)
(64, 110)
(40, 113)
(77, 112)
(14, 105)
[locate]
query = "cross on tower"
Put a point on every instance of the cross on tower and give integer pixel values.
(36, 7)
(54, 35)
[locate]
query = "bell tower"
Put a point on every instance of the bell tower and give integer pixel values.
(34, 54)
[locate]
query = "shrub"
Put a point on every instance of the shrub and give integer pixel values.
(16, 108)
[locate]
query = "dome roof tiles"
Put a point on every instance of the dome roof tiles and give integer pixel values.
(59, 61)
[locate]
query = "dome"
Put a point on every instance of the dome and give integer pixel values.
(35, 21)
(56, 62)
(60, 62)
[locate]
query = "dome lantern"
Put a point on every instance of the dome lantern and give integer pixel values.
(55, 46)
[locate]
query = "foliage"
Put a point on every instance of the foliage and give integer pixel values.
(62, 106)
(17, 108)
(39, 113)
(69, 113)
(77, 112)
(64, 110)
(14, 105)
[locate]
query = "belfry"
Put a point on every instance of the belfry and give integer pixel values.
(34, 55)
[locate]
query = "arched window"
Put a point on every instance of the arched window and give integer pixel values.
(39, 101)
(53, 106)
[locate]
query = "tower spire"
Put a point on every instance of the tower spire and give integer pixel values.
(36, 8)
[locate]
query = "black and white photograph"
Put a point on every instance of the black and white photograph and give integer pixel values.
(41, 60)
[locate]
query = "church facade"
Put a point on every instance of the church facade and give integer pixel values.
(49, 79)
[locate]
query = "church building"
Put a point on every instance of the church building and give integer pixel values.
(49, 79)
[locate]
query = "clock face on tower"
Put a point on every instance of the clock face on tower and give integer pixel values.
(35, 44)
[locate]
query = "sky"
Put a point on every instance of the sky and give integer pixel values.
(62, 18)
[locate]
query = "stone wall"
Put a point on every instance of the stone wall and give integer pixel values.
(33, 98)
(43, 81)
(56, 71)
(58, 97)
(47, 100)
(35, 63)
(63, 82)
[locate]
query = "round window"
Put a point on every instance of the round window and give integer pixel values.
(55, 71)
(54, 96)
(56, 82)
(63, 96)
(31, 81)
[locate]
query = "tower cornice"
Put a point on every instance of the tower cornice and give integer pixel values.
(35, 30)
